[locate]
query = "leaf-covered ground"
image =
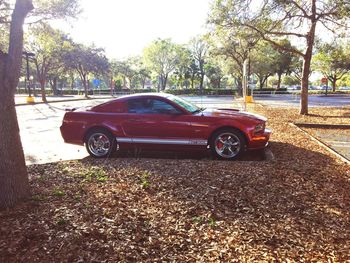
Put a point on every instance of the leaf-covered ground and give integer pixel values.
(295, 208)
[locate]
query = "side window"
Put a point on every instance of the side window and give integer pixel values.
(142, 106)
(161, 107)
(150, 106)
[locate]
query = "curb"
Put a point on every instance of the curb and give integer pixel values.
(324, 126)
(325, 146)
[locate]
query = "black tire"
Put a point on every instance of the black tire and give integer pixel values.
(100, 143)
(227, 144)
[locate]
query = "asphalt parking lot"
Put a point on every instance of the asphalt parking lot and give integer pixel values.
(293, 100)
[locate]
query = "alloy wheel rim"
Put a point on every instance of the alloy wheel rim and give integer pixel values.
(227, 145)
(99, 144)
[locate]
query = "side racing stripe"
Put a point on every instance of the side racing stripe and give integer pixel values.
(162, 141)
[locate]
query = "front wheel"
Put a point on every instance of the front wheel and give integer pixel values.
(227, 144)
(100, 143)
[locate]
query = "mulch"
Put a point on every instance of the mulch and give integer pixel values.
(295, 208)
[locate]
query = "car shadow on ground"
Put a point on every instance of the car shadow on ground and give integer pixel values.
(256, 155)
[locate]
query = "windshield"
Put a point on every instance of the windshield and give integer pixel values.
(184, 104)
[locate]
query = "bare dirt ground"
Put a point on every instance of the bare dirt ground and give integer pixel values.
(295, 208)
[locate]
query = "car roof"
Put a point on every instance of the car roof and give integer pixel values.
(126, 97)
(142, 95)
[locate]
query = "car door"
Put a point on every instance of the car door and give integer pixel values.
(155, 121)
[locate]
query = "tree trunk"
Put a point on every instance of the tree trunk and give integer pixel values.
(261, 82)
(41, 75)
(307, 63)
(164, 80)
(192, 80)
(85, 84)
(54, 86)
(305, 86)
(72, 82)
(124, 82)
(239, 86)
(14, 185)
(334, 82)
(201, 81)
(279, 77)
(42, 88)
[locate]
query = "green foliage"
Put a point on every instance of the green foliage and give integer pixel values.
(203, 92)
(86, 61)
(94, 174)
(162, 57)
(290, 81)
(58, 193)
(49, 45)
(214, 73)
(38, 198)
(118, 84)
(55, 9)
(332, 61)
(197, 219)
(61, 222)
(345, 80)
(144, 178)
(211, 222)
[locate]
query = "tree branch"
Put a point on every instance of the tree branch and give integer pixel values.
(300, 8)
(274, 43)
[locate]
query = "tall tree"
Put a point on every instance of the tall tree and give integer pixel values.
(162, 56)
(236, 45)
(48, 45)
(273, 19)
(332, 61)
(283, 60)
(181, 72)
(214, 72)
(14, 185)
(86, 60)
(263, 62)
(199, 50)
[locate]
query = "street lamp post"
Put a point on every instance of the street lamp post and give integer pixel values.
(27, 56)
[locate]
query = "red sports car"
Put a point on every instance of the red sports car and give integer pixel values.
(163, 121)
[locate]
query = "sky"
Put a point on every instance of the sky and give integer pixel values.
(125, 27)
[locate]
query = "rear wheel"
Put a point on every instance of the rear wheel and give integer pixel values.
(100, 143)
(227, 144)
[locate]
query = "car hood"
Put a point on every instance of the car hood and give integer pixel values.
(232, 113)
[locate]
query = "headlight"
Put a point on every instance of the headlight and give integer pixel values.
(259, 128)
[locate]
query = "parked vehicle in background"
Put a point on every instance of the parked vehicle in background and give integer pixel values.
(163, 122)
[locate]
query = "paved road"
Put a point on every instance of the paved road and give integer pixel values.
(41, 138)
(290, 100)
